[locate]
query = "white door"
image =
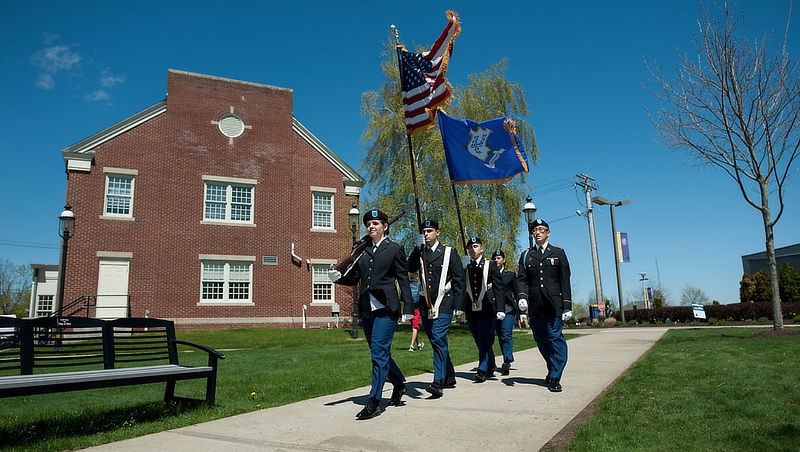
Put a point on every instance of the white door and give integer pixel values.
(112, 289)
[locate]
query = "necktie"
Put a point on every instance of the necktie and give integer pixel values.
(374, 248)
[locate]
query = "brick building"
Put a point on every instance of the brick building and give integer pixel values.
(191, 209)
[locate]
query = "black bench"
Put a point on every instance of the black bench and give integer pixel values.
(59, 354)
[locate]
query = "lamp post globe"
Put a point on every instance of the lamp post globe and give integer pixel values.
(529, 210)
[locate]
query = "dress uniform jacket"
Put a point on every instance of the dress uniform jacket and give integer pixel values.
(454, 297)
(490, 304)
(509, 292)
(544, 280)
(377, 272)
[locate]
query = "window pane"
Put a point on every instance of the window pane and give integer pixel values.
(322, 210)
(226, 281)
(119, 193)
(228, 202)
(212, 290)
(322, 289)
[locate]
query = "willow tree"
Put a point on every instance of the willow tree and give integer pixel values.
(492, 211)
(736, 106)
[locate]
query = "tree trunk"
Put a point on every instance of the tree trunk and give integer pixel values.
(777, 313)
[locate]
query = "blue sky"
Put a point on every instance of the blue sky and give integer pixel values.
(70, 69)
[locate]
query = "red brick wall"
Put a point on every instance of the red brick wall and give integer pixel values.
(171, 153)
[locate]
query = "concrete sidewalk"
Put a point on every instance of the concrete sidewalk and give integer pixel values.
(514, 412)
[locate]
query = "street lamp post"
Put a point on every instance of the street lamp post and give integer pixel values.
(66, 223)
(352, 216)
(602, 201)
(644, 289)
(529, 209)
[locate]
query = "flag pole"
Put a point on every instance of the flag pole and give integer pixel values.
(424, 252)
(458, 214)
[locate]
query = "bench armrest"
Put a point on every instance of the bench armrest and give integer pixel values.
(213, 355)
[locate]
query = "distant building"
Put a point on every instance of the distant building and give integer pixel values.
(43, 290)
(191, 210)
(752, 263)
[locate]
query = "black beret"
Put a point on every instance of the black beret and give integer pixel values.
(499, 253)
(428, 224)
(473, 240)
(538, 222)
(375, 214)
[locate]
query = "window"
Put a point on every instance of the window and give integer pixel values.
(322, 214)
(44, 305)
(226, 281)
(322, 290)
(119, 195)
(228, 202)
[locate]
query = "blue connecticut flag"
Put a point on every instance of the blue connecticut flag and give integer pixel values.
(486, 152)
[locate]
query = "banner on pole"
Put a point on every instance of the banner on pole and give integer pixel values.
(622, 247)
(481, 153)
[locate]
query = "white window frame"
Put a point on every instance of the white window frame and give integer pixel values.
(329, 194)
(41, 300)
(320, 280)
(227, 278)
(230, 183)
(120, 173)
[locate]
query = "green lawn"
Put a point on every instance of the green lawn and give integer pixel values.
(703, 389)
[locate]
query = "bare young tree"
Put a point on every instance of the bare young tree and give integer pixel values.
(735, 106)
(693, 295)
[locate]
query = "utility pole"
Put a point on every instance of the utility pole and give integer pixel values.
(587, 183)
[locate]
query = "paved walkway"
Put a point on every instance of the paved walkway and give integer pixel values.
(514, 412)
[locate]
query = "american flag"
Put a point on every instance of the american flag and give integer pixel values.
(422, 78)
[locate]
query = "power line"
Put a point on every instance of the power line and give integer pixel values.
(28, 245)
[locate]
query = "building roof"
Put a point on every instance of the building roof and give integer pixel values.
(79, 156)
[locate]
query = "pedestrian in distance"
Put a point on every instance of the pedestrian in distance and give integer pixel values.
(482, 308)
(416, 321)
(442, 276)
(380, 269)
(544, 284)
(507, 295)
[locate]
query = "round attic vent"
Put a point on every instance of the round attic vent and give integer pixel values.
(231, 126)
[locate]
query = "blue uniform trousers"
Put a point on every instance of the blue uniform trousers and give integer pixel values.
(483, 332)
(436, 330)
(547, 332)
(505, 336)
(379, 331)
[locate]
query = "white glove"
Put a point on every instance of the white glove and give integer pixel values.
(458, 313)
(566, 316)
(501, 315)
(334, 275)
(419, 241)
(406, 318)
(523, 304)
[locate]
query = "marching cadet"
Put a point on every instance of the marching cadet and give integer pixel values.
(482, 308)
(443, 279)
(508, 294)
(378, 267)
(543, 275)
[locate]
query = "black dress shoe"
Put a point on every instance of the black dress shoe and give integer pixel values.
(397, 395)
(554, 385)
(506, 369)
(372, 409)
(450, 383)
(480, 377)
(547, 379)
(435, 389)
